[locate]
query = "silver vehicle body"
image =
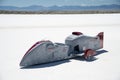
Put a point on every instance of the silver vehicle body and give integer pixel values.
(46, 51)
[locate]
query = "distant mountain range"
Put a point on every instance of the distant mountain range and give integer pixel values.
(61, 8)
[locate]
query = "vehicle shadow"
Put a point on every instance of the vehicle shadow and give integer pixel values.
(100, 52)
(55, 63)
(45, 65)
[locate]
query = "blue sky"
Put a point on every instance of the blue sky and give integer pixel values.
(22, 3)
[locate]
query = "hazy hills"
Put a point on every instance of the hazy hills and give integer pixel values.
(61, 8)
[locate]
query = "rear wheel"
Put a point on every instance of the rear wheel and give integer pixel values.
(89, 54)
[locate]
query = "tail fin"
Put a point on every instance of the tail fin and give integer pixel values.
(101, 37)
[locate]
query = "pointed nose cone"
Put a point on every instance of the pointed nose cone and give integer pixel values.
(26, 60)
(33, 55)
